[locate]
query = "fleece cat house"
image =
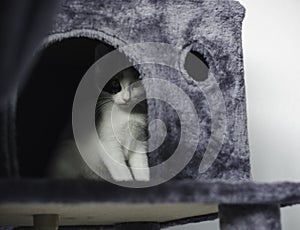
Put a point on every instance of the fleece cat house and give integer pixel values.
(191, 47)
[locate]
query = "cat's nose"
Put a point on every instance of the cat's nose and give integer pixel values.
(126, 99)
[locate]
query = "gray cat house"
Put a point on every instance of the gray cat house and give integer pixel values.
(163, 40)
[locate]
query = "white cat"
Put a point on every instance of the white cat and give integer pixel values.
(123, 135)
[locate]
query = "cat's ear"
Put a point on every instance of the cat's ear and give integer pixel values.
(102, 49)
(132, 71)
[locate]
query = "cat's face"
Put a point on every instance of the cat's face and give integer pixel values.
(125, 88)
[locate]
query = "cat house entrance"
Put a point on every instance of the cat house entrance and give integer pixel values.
(45, 102)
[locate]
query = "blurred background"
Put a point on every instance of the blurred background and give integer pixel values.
(271, 42)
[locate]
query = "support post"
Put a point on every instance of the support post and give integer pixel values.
(45, 222)
(250, 217)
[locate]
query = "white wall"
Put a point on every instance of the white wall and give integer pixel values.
(271, 40)
(272, 65)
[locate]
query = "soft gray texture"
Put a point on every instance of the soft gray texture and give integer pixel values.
(212, 28)
(242, 217)
(187, 191)
(24, 25)
(249, 196)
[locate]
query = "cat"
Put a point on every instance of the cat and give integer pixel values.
(124, 92)
(124, 138)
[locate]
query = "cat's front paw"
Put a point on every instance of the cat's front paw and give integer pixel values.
(121, 174)
(141, 174)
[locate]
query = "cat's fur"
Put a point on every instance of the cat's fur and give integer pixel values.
(123, 139)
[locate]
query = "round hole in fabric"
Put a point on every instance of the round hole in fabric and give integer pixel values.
(196, 66)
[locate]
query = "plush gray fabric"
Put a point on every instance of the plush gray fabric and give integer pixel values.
(186, 191)
(260, 201)
(213, 29)
(248, 217)
(8, 162)
(24, 25)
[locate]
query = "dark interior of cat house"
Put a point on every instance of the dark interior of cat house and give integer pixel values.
(45, 103)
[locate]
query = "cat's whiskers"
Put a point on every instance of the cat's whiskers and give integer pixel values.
(104, 97)
(100, 105)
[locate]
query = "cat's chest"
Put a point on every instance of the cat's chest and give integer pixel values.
(119, 121)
